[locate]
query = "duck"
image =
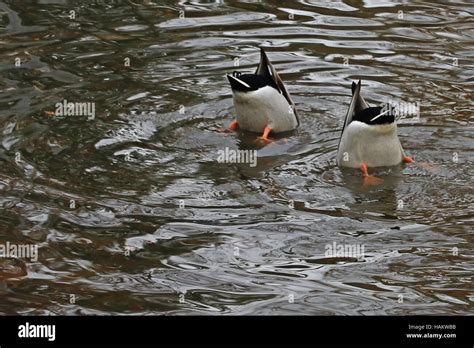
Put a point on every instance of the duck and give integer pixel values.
(369, 137)
(262, 102)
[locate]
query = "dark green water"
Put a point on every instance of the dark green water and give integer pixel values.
(100, 198)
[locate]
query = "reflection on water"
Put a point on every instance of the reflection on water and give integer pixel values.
(132, 212)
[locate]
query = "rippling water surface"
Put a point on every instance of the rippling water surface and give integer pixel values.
(133, 214)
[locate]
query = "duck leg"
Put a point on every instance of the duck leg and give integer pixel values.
(369, 180)
(265, 134)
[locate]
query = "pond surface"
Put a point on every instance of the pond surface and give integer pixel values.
(133, 214)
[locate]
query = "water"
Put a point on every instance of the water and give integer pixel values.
(101, 197)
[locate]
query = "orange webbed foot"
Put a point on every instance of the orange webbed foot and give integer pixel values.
(230, 128)
(429, 167)
(369, 180)
(264, 137)
(264, 140)
(233, 125)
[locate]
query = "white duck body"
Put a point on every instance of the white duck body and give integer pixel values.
(265, 107)
(375, 145)
(262, 101)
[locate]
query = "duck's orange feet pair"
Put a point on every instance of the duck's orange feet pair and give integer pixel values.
(369, 180)
(264, 138)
